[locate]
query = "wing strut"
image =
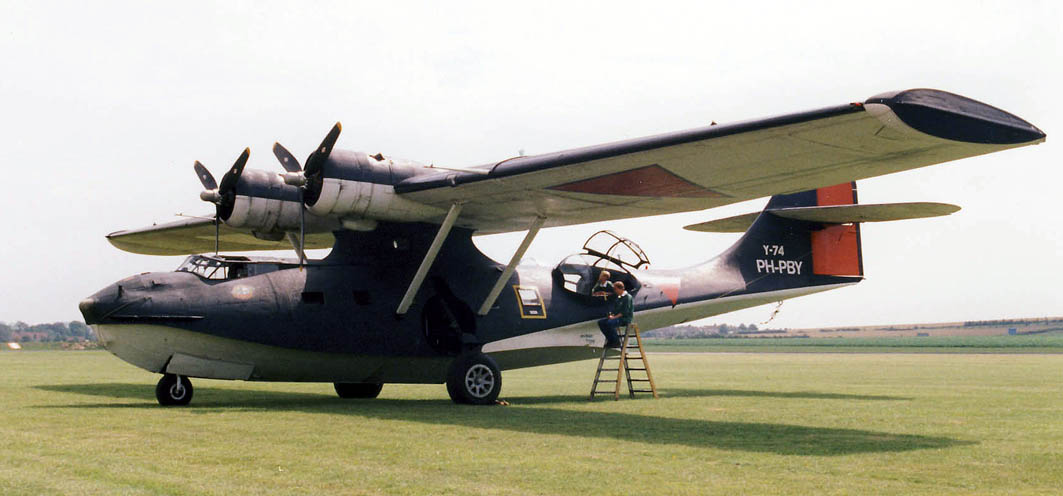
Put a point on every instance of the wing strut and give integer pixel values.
(519, 254)
(297, 243)
(429, 258)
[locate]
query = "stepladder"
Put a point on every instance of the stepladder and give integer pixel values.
(632, 367)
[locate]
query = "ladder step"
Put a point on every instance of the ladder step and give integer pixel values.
(630, 350)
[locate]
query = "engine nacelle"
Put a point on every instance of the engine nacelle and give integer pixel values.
(356, 185)
(264, 203)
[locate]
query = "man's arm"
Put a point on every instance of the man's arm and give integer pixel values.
(629, 307)
(618, 308)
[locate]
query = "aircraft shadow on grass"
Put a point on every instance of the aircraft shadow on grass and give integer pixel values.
(783, 439)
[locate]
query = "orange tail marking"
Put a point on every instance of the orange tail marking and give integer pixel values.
(836, 249)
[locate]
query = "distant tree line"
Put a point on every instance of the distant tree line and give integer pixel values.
(1045, 320)
(709, 331)
(55, 331)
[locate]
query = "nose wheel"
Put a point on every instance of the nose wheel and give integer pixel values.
(474, 379)
(173, 390)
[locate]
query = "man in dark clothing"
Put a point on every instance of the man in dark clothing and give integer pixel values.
(623, 312)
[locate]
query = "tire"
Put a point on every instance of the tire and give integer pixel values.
(357, 389)
(474, 379)
(173, 390)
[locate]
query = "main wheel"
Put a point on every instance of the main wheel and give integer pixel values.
(474, 379)
(358, 389)
(173, 390)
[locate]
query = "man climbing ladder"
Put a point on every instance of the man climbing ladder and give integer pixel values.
(623, 312)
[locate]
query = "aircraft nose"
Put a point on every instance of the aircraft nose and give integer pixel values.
(88, 308)
(97, 305)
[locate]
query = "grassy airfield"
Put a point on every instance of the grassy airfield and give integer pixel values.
(87, 423)
(1031, 343)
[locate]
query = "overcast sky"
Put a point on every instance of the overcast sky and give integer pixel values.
(105, 105)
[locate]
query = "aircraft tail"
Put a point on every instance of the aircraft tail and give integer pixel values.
(809, 238)
(782, 250)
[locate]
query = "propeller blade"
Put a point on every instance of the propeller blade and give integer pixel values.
(288, 161)
(316, 160)
(229, 180)
(205, 177)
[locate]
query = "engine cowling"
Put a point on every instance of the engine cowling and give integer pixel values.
(263, 203)
(355, 185)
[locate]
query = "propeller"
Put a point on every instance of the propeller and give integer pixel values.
(306, 178)
(222, 196)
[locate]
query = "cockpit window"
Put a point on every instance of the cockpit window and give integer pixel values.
(227, 267)
(208, 268)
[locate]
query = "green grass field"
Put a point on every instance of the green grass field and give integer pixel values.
(1034, 343)
(87, 423)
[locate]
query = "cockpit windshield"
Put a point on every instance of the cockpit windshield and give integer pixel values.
(214, 268)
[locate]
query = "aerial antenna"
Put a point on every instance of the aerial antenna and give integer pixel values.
(773, 314)
(224, 195)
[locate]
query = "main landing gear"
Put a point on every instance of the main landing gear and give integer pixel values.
(474, 379)
(358, 389)
(173, 390)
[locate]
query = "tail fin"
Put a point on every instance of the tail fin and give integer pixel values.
(779, 252)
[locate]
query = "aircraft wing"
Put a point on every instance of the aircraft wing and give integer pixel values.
(196, 235)
(723, 164)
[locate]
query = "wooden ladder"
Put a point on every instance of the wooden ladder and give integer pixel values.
(624, 366)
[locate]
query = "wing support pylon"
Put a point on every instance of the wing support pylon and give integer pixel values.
(429, 258)
(533, 230)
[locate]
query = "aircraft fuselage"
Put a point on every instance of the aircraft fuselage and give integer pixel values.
(334, 319)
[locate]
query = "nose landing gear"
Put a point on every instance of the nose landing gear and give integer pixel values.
(173, 390)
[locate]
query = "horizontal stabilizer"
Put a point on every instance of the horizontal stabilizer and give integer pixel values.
(736, 224)
(834, 214)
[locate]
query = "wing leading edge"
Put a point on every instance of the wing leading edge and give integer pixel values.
(683, 171)
(196, 235)
(718, 165)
